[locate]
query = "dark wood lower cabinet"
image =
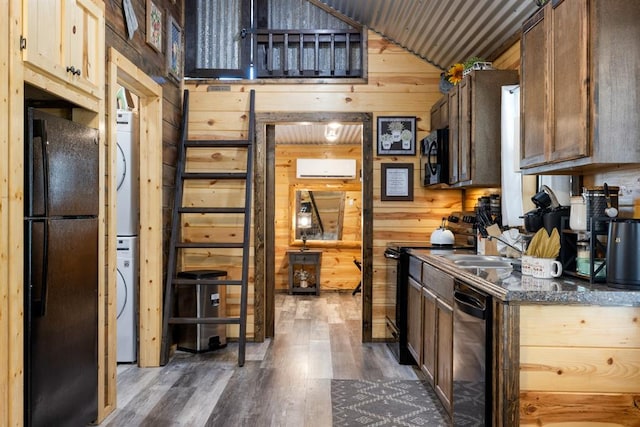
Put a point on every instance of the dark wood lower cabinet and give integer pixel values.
(414, 319)
(429, 325)
(437, 332)
(444, 356)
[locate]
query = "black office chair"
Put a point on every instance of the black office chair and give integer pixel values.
(359, 287)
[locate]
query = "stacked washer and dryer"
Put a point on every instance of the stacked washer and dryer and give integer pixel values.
(127, 234)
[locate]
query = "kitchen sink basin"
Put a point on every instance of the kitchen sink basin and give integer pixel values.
(480, 261)
(483, 264)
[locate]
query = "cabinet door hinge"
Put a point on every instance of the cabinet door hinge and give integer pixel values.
(23, 43)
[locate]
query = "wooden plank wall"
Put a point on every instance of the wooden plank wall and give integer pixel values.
(11, 220)
(628, 180)
(5, 372)
(338, 271)
(153, 63)
(579, 365)
(218, 227)
(399, 84)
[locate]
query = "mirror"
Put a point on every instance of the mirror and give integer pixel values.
(326, 209)
(334, 217)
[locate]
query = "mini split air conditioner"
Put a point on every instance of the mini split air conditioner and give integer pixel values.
(326, 168)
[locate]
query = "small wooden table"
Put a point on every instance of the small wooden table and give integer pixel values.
(304, 271)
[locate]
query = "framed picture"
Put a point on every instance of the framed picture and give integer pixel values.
(174, 48)
(397, 182)
(396, 136)
(154, 26)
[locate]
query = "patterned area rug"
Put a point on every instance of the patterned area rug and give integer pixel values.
(385, 403)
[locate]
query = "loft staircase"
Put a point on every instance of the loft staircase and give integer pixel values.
(179, 280)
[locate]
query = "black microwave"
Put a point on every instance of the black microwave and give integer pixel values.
(434, 158)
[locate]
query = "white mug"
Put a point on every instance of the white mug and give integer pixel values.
(546, 268)
(526, 265)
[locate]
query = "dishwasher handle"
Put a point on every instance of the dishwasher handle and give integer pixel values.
(470, 305)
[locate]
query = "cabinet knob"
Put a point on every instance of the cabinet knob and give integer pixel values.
(73, 70)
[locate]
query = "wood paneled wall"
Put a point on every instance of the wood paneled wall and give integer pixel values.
(153, 63)
(11, 219)
(579, 365)
(628, 180)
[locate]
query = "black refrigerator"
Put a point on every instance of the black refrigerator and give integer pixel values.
(61, 271)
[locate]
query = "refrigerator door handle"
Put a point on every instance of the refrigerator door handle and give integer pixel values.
(40, 129)
(38, 140)
(39, 299)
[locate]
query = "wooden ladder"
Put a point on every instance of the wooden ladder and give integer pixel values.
(174, 278)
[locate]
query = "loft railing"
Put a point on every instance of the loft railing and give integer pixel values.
(308, 53)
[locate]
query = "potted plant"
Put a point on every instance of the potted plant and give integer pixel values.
(303, 276)
(457, 71)
(396, 129)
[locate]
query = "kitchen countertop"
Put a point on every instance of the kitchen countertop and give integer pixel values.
(512, 287)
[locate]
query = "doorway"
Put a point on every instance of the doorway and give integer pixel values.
(123, 73)
(265, 249)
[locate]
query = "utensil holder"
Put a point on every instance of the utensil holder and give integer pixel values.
(597, 203)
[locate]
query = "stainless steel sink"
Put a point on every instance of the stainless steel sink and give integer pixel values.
(483, 264)
(480, 261)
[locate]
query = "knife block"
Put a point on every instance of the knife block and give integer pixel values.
(487, 247)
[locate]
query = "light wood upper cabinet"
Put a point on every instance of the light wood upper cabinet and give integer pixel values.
(579, 76)
(474, 128)
(64, 40)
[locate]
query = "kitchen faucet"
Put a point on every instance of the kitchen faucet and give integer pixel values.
(520, 251)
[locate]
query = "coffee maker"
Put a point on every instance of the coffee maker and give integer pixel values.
(553, 214)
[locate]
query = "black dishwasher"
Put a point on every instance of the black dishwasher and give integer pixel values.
(472, 318)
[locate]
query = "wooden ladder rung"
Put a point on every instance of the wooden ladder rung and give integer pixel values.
(197, 282)
(210, 210)
(204, 320)
(207, 245)
(213, 143)
(214, 175)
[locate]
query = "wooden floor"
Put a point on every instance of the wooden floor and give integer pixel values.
(286, 381)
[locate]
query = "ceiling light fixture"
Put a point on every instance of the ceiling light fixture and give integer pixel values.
(331, 131)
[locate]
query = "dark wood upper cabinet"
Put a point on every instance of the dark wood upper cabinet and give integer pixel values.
(579, 80)
(454, 131)
(440, 114)
(474, 128)
(534, 67)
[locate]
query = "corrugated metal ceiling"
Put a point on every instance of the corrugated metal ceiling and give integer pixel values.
(441, 32)
(314, 133)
